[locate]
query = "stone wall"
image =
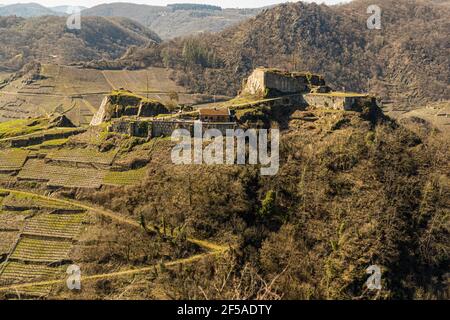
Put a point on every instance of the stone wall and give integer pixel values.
(329, 101)
(275, 81)
(154, 128)
(262, 81)
(166, 128)
(222, 127)
(121, 126)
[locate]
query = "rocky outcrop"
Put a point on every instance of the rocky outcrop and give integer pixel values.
(60, 121)
(100, 115)
(124, 103)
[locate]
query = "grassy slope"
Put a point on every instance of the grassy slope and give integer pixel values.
(20, 127)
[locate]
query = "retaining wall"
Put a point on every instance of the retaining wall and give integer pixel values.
(152, 128)
(336, 102)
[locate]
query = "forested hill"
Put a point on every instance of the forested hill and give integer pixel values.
(407, 61)
(47, 39)
(177, 19)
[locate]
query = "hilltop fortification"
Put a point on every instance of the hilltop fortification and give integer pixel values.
(272, 83)
(269, 81)
(280, 91)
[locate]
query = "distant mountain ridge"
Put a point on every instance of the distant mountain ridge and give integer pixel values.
(47, 39)
(177, 19)
(406, 62)
(168, 22)
(66, 9)
(27, 10)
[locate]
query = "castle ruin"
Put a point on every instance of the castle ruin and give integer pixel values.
(269, 82)
(130, 114)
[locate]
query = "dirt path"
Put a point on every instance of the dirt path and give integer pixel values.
(116, 217)
(117, 274)
(113, 87)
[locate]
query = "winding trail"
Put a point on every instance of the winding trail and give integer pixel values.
(112, 274)
(211, 246)
(213, 249)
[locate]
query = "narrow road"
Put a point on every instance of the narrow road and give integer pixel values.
(210, 246)
(117, 274)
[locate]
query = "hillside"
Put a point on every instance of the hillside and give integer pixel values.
(65, 9)
(47, 39)
(353, 190)
(407, 62)
(355, 185)
(27, 10)
(174, 21)
(40, 89)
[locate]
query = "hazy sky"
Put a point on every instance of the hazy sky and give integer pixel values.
(222, 3)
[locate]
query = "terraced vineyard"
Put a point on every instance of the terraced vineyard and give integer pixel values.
(54, 225)
(27, 272)
(89, 156)
(7, 241)
(44, 157)
(77, 168)
(12, 159)
(31, 238)
(39, 250)
(158, 80)
(21, 203)
(18, 272)
(61, 176)
(123, 178)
